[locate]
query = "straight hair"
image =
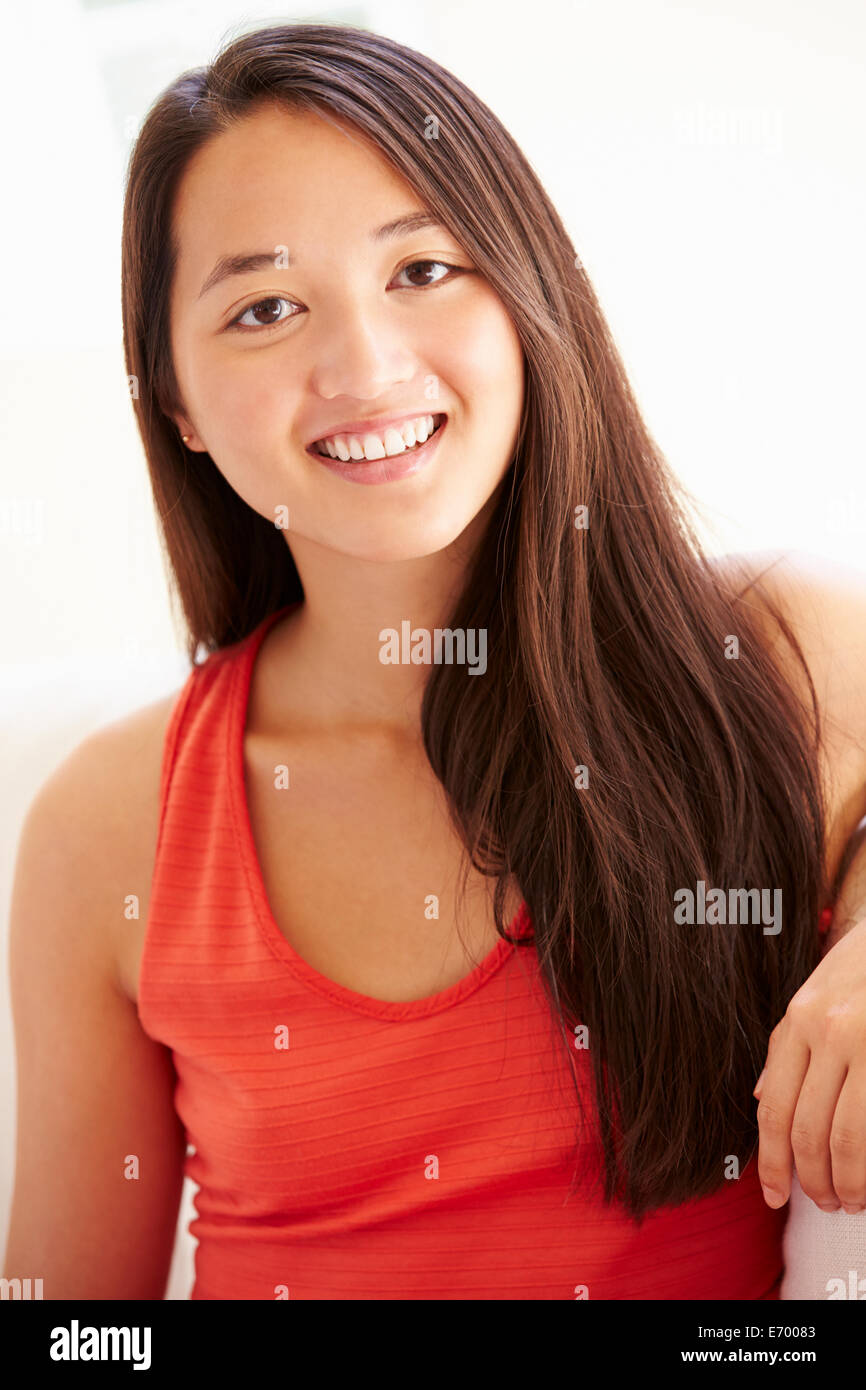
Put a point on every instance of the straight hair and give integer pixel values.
(614, 752)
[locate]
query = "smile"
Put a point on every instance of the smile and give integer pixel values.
(376, 444)
(378, 465)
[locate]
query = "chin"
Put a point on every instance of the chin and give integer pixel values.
(401, 542)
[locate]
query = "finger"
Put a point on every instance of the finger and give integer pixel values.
(811, 1126)
(787, 1064)
(848, 1141)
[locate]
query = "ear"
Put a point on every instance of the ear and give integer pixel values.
(184, 427)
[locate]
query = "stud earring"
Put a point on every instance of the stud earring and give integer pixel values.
(184, 437)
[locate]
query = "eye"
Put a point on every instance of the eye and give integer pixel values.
(414, 266)
(271, 301)
(275, 299)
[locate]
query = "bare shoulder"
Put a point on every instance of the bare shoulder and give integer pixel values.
(97, 815)
(112, 775)
(92, 1086)
(811, 588)
(824, 604)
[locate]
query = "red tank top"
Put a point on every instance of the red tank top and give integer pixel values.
(349, 1148)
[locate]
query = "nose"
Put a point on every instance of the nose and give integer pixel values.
(360, 352)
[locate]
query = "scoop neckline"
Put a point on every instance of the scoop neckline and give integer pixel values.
(267, 923)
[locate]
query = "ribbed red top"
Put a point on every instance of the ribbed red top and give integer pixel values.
(349, 1148)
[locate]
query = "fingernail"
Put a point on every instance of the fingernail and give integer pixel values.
(771, 1197)
(828, 1207)
(852, 1211)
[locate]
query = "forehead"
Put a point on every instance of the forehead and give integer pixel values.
(279, 177)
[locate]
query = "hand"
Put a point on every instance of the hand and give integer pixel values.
(812, 1092)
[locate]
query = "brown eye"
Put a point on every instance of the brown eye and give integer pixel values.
(265, 312)
(423, 268)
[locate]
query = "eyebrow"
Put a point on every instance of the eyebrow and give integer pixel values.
(244, 263)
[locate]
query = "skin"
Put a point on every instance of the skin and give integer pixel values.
(358, 340)
(368, 557)
(92, 1085)
(812, 1092)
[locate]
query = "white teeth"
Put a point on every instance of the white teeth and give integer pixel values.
(394, 442)
(373, 446)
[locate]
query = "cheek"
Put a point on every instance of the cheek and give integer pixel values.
(484, 356)
(242, 397)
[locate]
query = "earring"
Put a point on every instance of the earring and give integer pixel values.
(184, 437)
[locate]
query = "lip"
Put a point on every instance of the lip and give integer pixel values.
(388, 469)
(377, 424)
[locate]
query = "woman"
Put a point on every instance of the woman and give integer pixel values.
(396, 950)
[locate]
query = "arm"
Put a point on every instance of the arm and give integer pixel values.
(812, 1094)
(820, 1249)
(824, 1029)
(93, 1089)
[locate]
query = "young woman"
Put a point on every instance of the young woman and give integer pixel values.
(374, 927)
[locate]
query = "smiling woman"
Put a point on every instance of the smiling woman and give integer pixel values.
(269, 347)
(411, 940)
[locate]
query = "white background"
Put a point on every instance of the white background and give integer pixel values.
(707, 161)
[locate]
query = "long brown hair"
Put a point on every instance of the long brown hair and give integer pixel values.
(608, 630)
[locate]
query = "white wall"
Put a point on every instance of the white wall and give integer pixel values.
(707, 160)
